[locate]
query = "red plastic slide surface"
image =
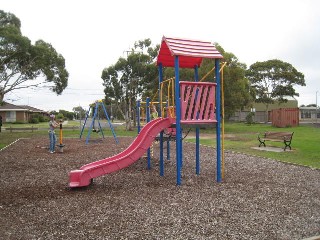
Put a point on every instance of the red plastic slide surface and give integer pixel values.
(83, 176)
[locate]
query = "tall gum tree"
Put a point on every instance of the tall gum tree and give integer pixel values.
(25, 65)
(273, 80)
(130, 78)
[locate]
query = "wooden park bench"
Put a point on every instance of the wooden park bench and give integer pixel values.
(284, 137)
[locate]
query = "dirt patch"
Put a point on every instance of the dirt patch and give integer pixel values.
(259, 198)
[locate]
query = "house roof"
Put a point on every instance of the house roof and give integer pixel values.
(190, 52)
(11, 107)
(33, 109)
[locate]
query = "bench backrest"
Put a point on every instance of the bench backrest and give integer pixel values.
(279, 135)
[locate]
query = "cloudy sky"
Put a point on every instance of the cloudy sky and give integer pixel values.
(92, 35)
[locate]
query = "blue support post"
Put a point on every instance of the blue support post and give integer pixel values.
(138, 116)
(178, 119)
(110, 125)
(218, 116)
(92, 122)
(160, 115)
(196, 76)
(85, 121)
(148, 120)
(161, 155)
(100, 128)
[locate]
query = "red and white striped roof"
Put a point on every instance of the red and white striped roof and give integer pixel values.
(190, 52)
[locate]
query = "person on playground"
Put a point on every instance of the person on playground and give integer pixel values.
(154, 113)
(52, 136)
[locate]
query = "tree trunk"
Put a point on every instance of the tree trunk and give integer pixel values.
(129, 116)
(266, 113)
(1, 96)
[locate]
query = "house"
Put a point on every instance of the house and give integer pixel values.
(16, 113)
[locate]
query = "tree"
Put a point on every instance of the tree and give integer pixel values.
(130, 78)
(79, 111)
(237, 90)
(274, 80)
(24, 65)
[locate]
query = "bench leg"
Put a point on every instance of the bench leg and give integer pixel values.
(261, 142)
(287, 144)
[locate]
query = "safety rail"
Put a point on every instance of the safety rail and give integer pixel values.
(197, 102)
(169, 97)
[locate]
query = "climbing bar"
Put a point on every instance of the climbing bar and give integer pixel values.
(197, 102)
(208, 73)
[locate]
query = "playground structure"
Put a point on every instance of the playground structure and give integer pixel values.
(94, 109)
(193, 103)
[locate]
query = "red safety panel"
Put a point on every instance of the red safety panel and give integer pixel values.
(197, 102)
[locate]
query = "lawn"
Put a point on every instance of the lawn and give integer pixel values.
(6, 137)
(239, 137)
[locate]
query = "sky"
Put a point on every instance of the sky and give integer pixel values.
(92, 35)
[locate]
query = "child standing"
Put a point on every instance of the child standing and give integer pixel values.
(52, 136)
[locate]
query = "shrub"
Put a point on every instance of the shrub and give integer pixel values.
(41, 118)
(34, 120)
(249, 118)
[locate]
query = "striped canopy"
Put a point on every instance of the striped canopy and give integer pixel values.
(190, 52)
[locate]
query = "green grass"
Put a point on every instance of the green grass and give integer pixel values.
(240, 137)
(6, 137)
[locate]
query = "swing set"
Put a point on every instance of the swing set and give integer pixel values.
(94, 111)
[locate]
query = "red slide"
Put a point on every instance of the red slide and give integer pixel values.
(83, 176)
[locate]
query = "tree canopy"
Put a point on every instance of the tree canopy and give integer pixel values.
(137, 77)
(24, 64)
(274, 80)
(131, 77)
(236, 86)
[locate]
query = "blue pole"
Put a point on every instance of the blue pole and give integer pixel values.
(92, 122)
(218, 116)
(160, 115)
(85, 121)
(178, 119)
(148, 120)
(100, 128)
(138, 116)
(196, 76)
(110, 125)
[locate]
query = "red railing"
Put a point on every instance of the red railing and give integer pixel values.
(197, 102)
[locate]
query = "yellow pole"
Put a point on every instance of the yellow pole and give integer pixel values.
(205, 76)
(60, 138)
(161, 107)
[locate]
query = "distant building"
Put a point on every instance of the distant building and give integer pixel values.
(309, 114)
(15, 113)
(259, 110)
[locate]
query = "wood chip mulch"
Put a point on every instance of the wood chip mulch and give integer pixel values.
(258, 199)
